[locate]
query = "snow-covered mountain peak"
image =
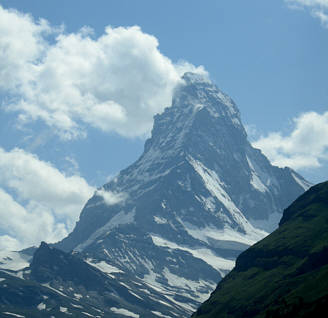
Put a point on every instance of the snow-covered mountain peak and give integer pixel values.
(197, 196)
(195, 78)
(198, 107)
(199, 86)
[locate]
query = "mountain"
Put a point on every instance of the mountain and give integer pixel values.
(57, 284)
(174, 222)
(198, 195)
(285, 274)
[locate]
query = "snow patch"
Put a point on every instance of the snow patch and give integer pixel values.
(160, 220)
(257, 184)
(259, 179)
(124, 312)
(305, 185)
(18, 274)
(13, 261)
(209, 203)
(188, 308)
(218, 263)
(62, 309)
(55, 290)
(41, 306)
(215, 187)
(236, 122)
(103, 266)
(78, 296)
(226, 234)
(225, 99)
(150, 280)
(159, 314)
(134, 294)
(119, 219)
(12, 314)
(199, 286)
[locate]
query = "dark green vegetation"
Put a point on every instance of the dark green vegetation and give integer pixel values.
(285, 274)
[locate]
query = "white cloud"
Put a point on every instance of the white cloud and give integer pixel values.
(111, 198)
(309, 3)
(33, 179)
(38, 202)
(8, 243)
(27, 226)
(318, 8)
(322, 15)
(21, 43)
(115, 82)
(305, 147)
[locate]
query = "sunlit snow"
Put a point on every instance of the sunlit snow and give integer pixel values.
(41, 306)
(12, 261)
(305, 185)
(14, 315)
(215, 187)
(124, 312)
(204, 254)
(117, 220)
(103, 266)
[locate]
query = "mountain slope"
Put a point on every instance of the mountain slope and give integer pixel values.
(57, 284)
(285, 274)
(198, 195)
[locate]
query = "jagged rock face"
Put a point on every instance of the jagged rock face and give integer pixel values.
(197, 197)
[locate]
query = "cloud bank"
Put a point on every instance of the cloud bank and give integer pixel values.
(38, 202)
(115, 82)
(318, 8)
(305, 147)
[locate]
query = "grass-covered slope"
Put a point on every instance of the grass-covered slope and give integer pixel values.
(285, 274)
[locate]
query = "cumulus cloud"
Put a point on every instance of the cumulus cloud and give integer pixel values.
(115, 82)
(318, 8)
(38, 201)
(27, 226)
(305, 147)
(21, 43)
(33, 179)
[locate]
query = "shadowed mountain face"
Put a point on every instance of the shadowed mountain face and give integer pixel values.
(284, 275)
(198, 196)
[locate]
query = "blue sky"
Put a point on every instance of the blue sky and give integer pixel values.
(80, 82)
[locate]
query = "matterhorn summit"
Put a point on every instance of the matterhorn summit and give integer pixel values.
(198, 196)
